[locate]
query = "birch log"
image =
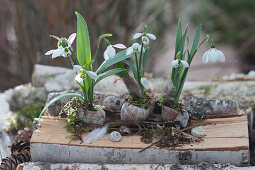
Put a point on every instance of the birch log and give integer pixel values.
(211, 107)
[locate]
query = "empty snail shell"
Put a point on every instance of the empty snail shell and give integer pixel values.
(124, 130)
(115, 136)
(113, 102)
(198, 131)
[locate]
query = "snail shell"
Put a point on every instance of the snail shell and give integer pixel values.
(124, 130)
(132, 113)
(113, 102)
(115, 136)
(198, 131)
(92, 117)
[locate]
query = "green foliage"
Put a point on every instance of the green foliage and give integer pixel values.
(179, 74)
(83, 42)
(59, 98)
(107, 63)
(25, 117)
(229, 21)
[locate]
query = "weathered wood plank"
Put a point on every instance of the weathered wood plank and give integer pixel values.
(226, 140)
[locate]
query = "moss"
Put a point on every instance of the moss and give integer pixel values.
(170, 103)
(140, 101)
(71, 109)
(25, 117)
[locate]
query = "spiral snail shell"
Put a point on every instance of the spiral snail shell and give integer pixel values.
(132, 113)
(198, 131)
(115, 136)
(92, 117)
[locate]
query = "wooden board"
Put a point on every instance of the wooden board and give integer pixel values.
(223, 135)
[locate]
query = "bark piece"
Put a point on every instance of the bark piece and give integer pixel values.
(211, 107)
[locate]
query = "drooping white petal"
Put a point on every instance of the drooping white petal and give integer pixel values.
(136, 47)
(92, 74)
(129, 51)
(205, 57)
(137, 35)
(78, 78)
(175, 63)
(145, 40)
(120, 46)
(111, 52)
(221, 56)
(213, 55)
(71, 39)
(106, 55)
(184, 63)
(58, 52)
(151, 36)
(77, 68)
(50, 52)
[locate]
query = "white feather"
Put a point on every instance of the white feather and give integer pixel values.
(95, 134)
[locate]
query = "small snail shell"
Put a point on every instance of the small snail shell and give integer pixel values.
(113, 102)
(115, 136)
(198, 131)
(124, 130)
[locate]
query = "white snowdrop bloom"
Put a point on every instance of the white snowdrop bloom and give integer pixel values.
(134, 48)
(92, 75)
(79, 77)
(77, 68)
(213, 55)
(110, 52)
(175, 63)
(145, 37)
(63, 47)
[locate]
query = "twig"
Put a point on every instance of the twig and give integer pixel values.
(147, 147)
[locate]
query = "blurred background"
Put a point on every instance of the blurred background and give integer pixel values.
(25, 26)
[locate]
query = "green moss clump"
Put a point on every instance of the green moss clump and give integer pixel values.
(25, 117)
(139, 101)
(71, 109)
(170, 103)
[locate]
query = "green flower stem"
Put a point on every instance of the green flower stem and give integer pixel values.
(71, 60)
(137, 67)
(140, 59)
(95, 59)
(73, 52)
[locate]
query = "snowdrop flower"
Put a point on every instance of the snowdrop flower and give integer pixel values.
(80, 76)
(63, 47)
(110, 52)
(145, 37)
(213, 55)
(176, 62)
(134, 48)
(92, 75)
